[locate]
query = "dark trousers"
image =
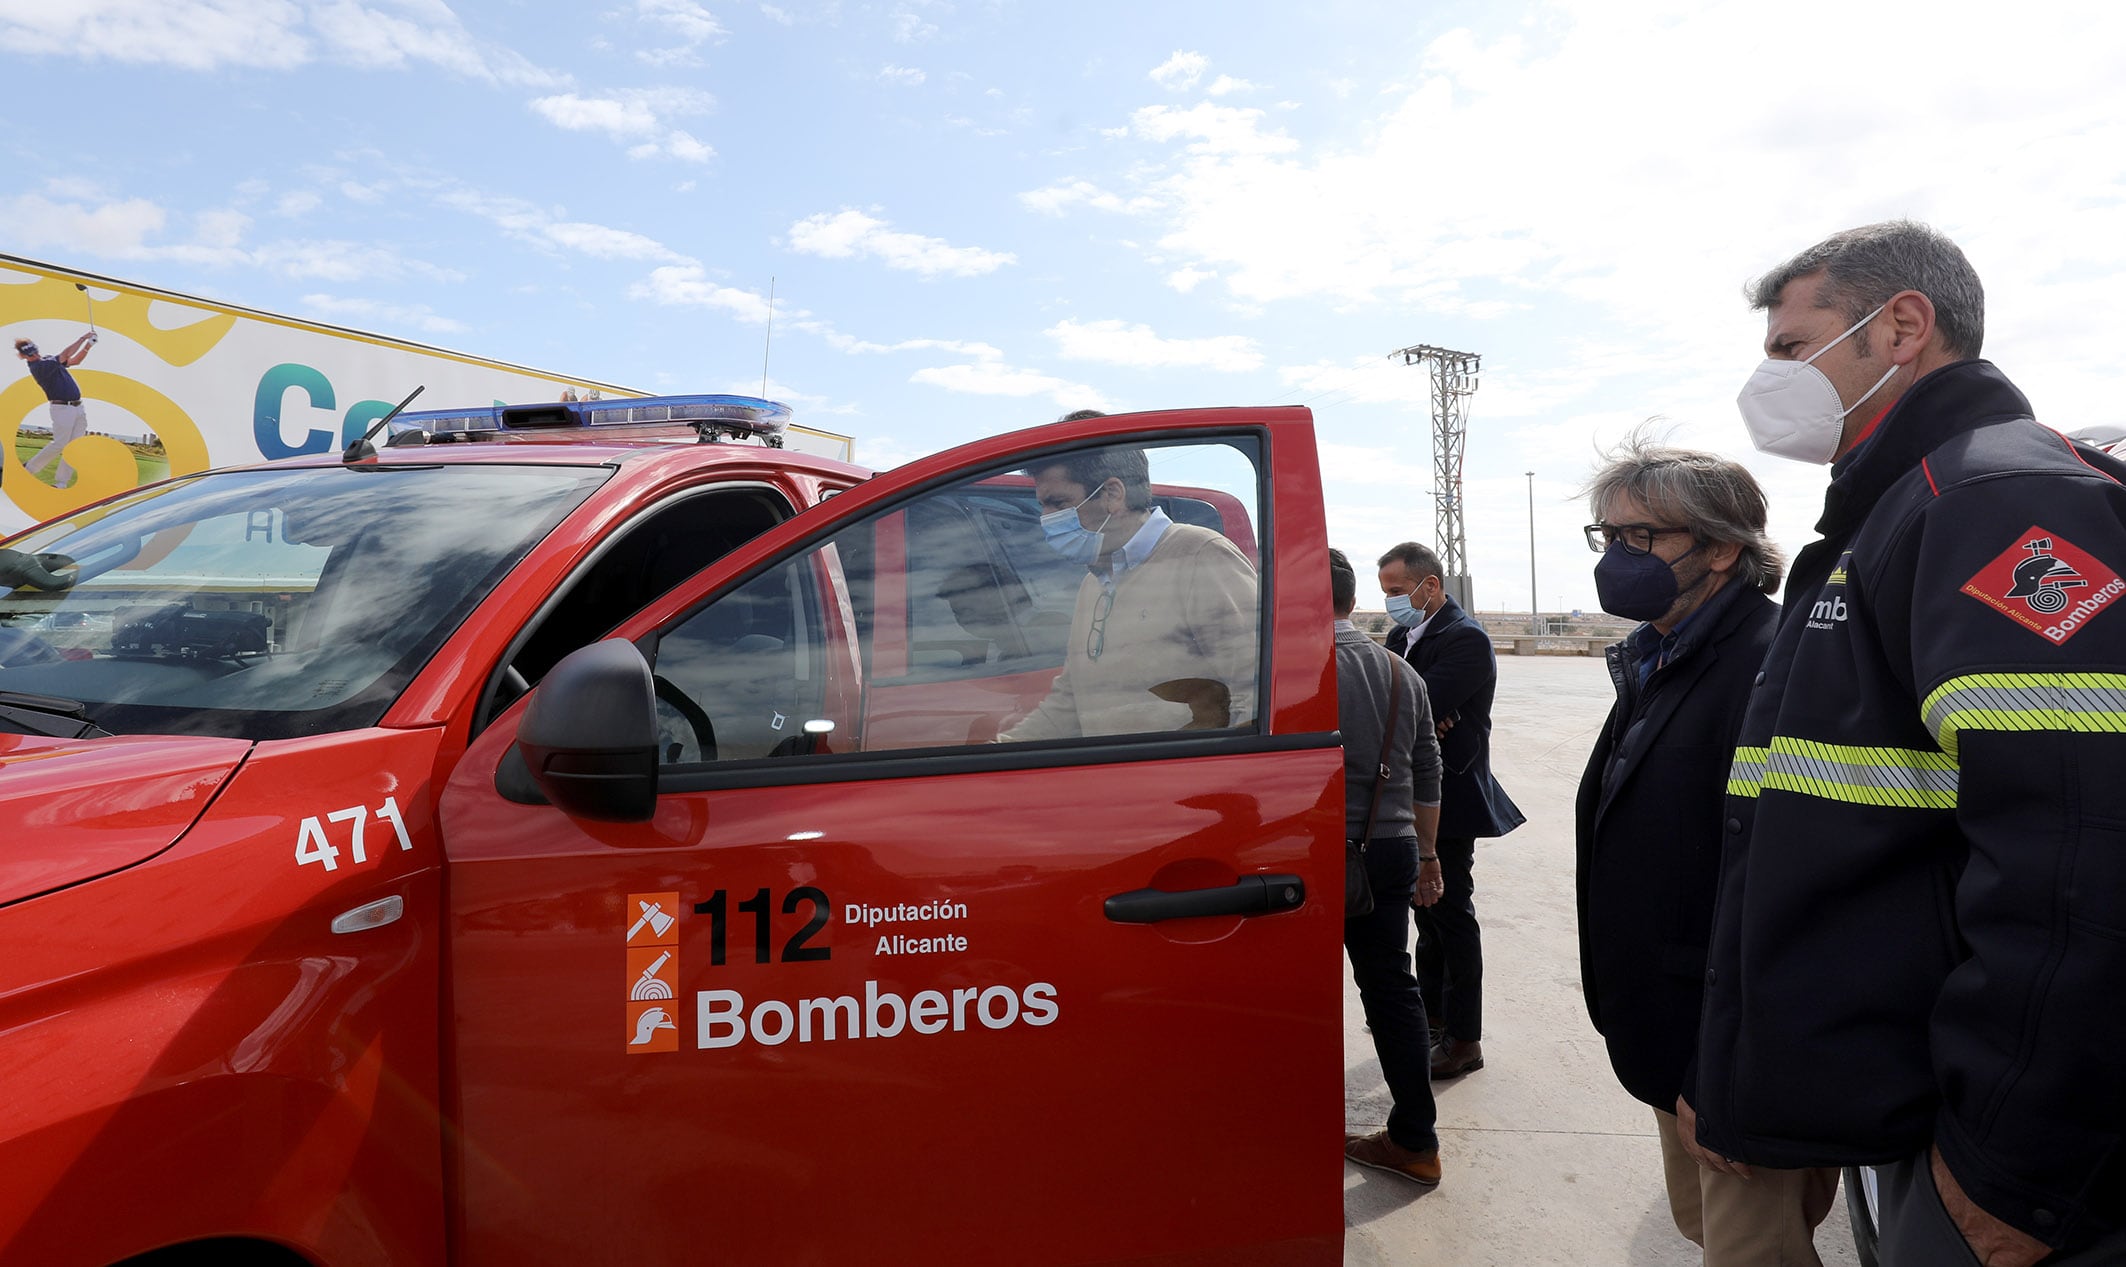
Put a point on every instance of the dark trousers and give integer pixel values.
(1450, 947)
(1378, 946)
(1913, 1230)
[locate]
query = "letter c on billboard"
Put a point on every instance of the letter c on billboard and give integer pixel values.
(266, 410)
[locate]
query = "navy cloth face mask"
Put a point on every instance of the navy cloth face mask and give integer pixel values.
(1637, 586)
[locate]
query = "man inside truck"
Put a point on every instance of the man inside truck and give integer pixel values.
(1163, 633)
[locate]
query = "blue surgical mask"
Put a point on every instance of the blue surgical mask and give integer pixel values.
(1403, 613)
(1068, 536)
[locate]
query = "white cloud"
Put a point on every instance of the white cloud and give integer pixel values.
(1226, 84)
(113, 230)
(900, 76)
(684, 18)
(635, 117)
(1055, 199)
(1180, 72)
(1138, 346)
(369, 37)
(910, 28)
(537, 227)
(376, 313)
(633, 112)
(688, 285)
(596, 114)
(1186, 280)
(958, 347)
(688, 22)
(995, 378)
(1538, 206)
(206, 35)
(1223, 130)
(187, 34)
(134, 229)
(683, 146)
(220, 229)
(852, 234)
(1361, 464)
(330, 260)
(603, 242)
(781, 17)
(297, 203)
(804, 403)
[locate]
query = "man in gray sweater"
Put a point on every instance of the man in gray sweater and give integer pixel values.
(1402, 863)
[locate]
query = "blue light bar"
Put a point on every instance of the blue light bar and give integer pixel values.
(745, 415)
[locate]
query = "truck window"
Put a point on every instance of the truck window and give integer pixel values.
(635, 567)
(966, 625)
(272, 603)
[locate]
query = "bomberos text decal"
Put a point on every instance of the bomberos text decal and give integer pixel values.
(728, 927)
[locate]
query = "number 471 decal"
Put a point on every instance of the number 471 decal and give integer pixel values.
(311, 844)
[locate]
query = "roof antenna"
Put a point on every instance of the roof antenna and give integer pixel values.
(768, 341)
(361, 450)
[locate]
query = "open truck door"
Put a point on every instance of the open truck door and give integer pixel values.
(778, 932)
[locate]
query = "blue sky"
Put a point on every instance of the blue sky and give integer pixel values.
(980, 214)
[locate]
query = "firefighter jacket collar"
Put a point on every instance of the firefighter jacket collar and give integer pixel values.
(1951, 400)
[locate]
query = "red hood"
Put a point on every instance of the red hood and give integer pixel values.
(75, 809)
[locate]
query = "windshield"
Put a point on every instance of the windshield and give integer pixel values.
(267, 603)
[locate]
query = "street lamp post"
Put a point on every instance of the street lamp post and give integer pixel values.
(1535, 614)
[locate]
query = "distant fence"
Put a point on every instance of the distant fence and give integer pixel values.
(1538, 644)
(1551, 644)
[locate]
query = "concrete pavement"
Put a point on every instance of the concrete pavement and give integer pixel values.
(1547, 1160)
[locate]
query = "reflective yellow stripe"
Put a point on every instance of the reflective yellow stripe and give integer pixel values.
(1746, 776)
(2087, 703)
(1904, 777)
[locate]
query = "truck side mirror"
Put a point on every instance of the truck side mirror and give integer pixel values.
(589, 735)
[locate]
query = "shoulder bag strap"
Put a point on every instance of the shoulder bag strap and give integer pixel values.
(1380, 769)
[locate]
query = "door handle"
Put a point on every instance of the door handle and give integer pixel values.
(1249, 895)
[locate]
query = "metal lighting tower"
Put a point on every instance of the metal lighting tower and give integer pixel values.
(1535, 613)
(1453, 383)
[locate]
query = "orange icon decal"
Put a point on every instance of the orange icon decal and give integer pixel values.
(652, 974)
(652, 982)
(650, 1027)
(653, 919)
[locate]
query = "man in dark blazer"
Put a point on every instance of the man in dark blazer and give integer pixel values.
(1452, 652)
(1684, 550)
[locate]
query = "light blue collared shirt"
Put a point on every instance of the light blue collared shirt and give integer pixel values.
(1138, 548)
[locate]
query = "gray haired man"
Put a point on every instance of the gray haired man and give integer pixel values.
(1920, 949)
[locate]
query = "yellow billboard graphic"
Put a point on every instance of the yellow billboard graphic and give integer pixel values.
(115, 385)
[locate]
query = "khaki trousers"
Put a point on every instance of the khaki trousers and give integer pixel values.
(1768, 1220)
(69, 423)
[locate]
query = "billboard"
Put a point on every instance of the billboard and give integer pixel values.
(173, 384)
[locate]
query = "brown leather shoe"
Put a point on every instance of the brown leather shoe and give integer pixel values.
(1454, 1058)
(1381, 1153)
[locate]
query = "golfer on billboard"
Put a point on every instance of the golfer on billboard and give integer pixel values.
(69, 422)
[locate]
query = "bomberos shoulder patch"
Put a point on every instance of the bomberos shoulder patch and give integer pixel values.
(2048, 585)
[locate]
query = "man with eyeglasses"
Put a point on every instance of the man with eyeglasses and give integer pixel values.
(1684, 551)
(1163, 634)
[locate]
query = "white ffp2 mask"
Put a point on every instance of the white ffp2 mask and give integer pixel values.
(1792, 409)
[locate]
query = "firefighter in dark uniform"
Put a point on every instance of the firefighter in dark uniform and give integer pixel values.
(1919, 950)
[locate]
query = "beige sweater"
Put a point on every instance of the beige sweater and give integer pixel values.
(1189, 611)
